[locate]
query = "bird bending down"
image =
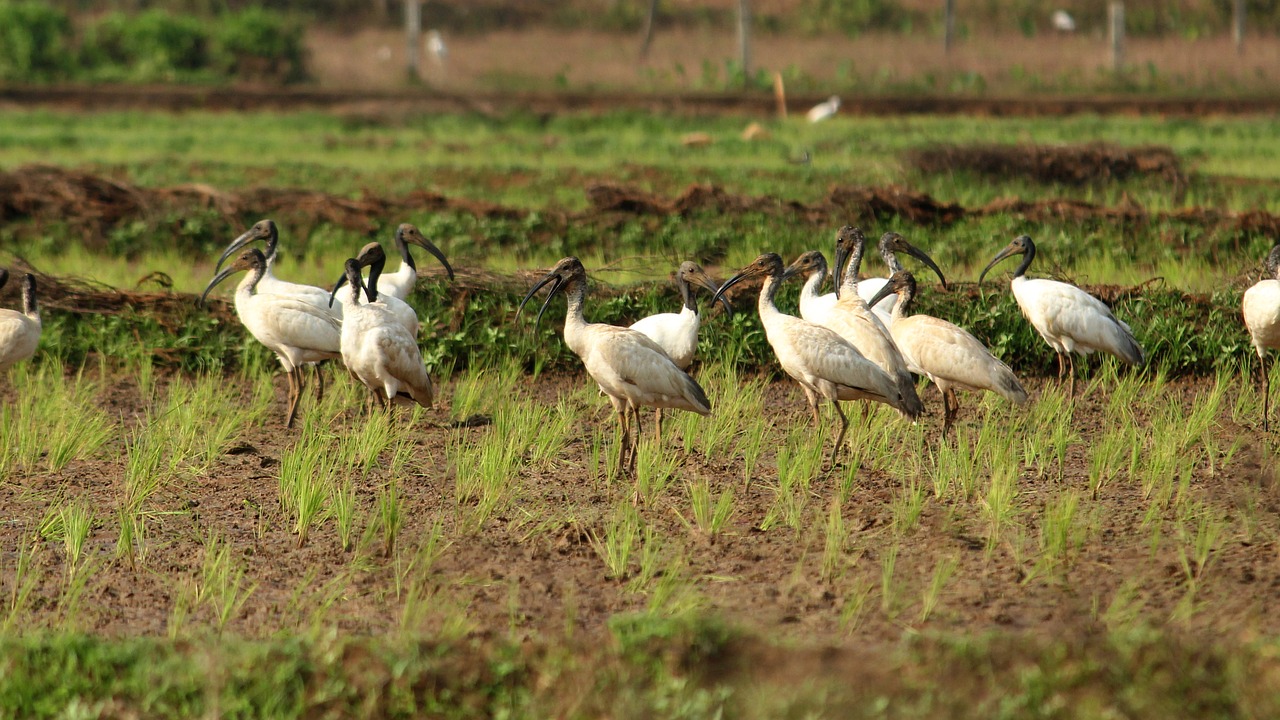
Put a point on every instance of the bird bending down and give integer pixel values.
(851, 318)
(946, 353)
(379, 350)
(891, 243)
(825, 364)
(1068, 318)
(296, 331)
(1261, 306)
(19, 331)
(631, 369)
(677, 333)
(372, 256)
(400, 283)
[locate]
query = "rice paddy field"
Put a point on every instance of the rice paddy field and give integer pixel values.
(168, 548)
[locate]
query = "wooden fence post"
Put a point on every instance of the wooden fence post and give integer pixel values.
(1237, 25)
(413, 36)
(744, 39)
(948, 25)
(1117, 36)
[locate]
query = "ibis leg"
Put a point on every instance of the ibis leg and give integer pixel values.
(950, 408)
(294, 377)
(657, 423)
(813, 406)
(319, 383)
(623, 443)
(1266, 397)
(1071, 372)
(844, 425)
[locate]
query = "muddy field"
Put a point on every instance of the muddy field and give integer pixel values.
(533, 571)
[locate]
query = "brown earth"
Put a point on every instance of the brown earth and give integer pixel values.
(532, 571)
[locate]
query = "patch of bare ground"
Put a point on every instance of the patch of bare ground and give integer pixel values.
(531, 571)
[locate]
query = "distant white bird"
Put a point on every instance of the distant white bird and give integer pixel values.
(631, 369)
(825, 364)
(19, 331)
(379, 350)
(891, 243)
(824, 110)
(436, 47)
(946, 353)
(296, 331)
(852, 319)
(1261, 305)
(677, 333)
(1068, 318)
(372, 257)
(1063, 22)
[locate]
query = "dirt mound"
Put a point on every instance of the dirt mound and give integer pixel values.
(1069, 164)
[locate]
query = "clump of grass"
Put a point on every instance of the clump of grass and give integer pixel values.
(616, 542)
(308, 473)
(710, 515)
(53, 419)
(942, 573)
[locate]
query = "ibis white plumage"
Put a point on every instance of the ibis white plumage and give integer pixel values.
(372, 256)
(852, 319)
(890, 245)
(379, 350)
(677, 333)
(629, 367)
(296, 331)
(1261, 307)
(825, 364)
(1068, 318)
(19, 331)
(946, 353)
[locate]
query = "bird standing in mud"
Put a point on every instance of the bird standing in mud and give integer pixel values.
(946, 353)
(1068, 318)
(825, 364)
(19, 331)
(1261, 307)
(677, 333)
(630, 368)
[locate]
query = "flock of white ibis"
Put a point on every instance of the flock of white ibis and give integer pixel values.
(858, 343)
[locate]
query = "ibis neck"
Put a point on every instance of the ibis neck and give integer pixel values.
(768, 290)
(686, 296)
(849, 281)
(405, 257)
(906, 296)
(574, 322)
(1027, 257)
(891, 260)
(375, 270)
(1273, 262)
(249, 285)
(29, 307)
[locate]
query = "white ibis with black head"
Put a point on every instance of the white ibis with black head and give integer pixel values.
(630, 368)
(946, 353)
(1261, 306)
(379, 350)
(296, 331)
(677, 333)
(891, 243)
(825, 364)
(400, 283)
(852, 319)
(1068, 318)
(19, 331)
(266, 230)
(372, 256)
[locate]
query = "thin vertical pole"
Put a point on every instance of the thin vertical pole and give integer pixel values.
(1237, 25)
(1117, 35)
(948, 25)
(744, 38)
(413, 37)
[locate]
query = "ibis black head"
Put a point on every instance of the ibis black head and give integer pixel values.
(902, 283)
(407, 234)
(370, 256)
(808, 264)
(567, 272)
(4, 278)
(767, 265)
(850, 242)
(1021, 245)
(261, 230)
(251, 259)
(892, 243)
(691, 273)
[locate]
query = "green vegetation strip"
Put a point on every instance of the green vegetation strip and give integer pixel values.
(652, 668)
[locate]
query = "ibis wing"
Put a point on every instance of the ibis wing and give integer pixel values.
(945, 351)
(626, 363)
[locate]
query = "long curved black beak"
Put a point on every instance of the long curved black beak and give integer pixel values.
(719, 296)
(555, 281)
(336, 287)
(703, 281)
(889, 288)
(923, 257)
(430, 247)
(235, 245)
(842, 257)
(1008, 251)
(214, 283)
